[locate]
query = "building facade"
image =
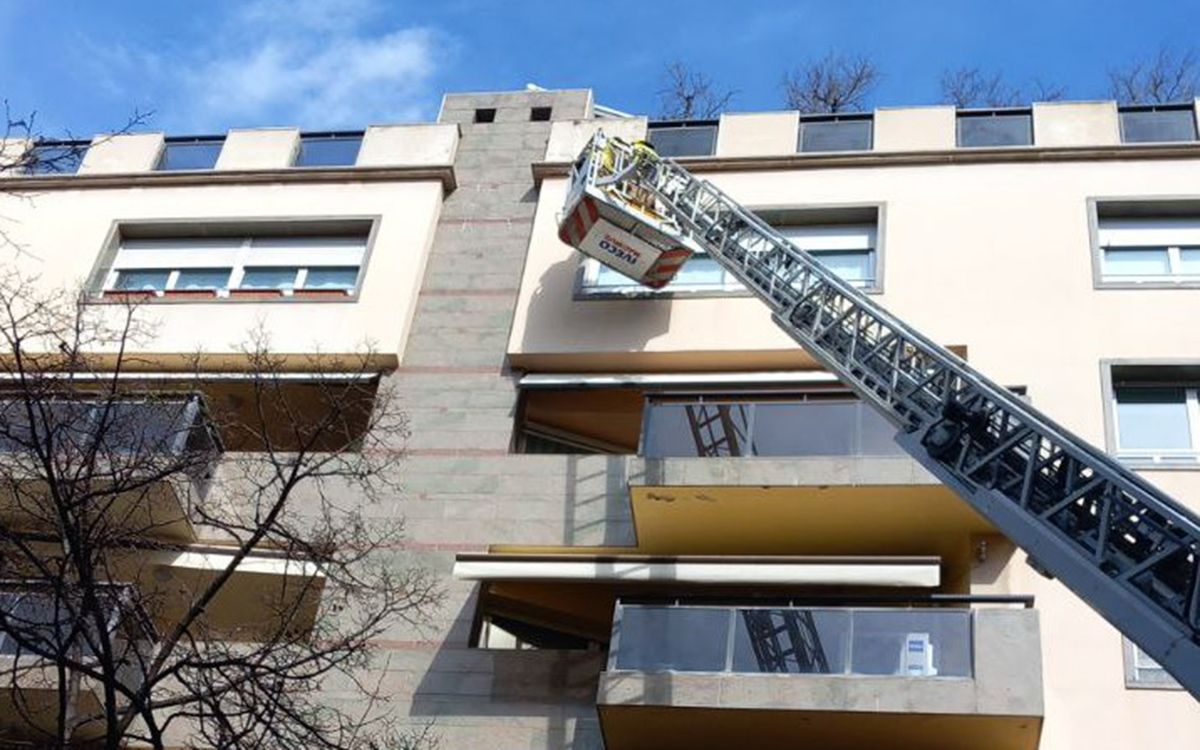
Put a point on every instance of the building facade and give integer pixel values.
(658, 523)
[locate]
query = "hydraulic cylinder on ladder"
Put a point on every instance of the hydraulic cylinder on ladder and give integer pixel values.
(1125, 547)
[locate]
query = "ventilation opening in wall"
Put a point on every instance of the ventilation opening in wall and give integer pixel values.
(539, 114)
(485, 114)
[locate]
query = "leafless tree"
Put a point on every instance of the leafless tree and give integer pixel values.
(1167, 77)
(971, 87)
(126, 533)
(834, 83)
(690, 95)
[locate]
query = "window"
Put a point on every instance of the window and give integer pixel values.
(1158, 123)
(846, 249)
(692, 138)
(1143, 672)
(1164, 250)
(835, 133)
(540, 114)
(55, 157)
(485, 115)
(1156, 414)
(976, 129)
(328, 149)
(190, 153)
(257, 266)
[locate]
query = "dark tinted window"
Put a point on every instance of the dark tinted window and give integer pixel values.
(835, 134)
(55, 158)
(194, 153)
(995, 129)
(328, 150)
(684, 139)
(1154, 125)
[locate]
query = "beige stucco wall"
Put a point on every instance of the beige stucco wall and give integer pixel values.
(261, 148)
(65, 231)
(1075, 124)
(914, 128)
(408, 145)
(130, 152)
(568, 137)
(758, 134)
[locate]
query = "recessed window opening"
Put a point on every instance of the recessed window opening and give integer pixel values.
(540, 114)
(253, 267)
(485, 115)
(54, 157)
(339, 149)
(850, 132)
(848, 250)
(1158, 123)
(683, 137)
(1155, 250)
(1156, 415)
(996, 127)
(190, 153)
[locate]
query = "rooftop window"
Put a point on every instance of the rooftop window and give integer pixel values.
(329, 149)
(192, 153)
(994, 127)
(835, 133)
(683, 138)
(55, 157)
(1159, 123)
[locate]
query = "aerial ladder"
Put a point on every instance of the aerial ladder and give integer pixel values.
(785, 640)
(1129, 550)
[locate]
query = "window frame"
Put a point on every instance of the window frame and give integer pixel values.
(1173, 107)
(1141, 208)
(1184, 460)
(101, 277)
(715, 125)
(74, 148)
(1130, 653)
(867, 117)
(844, 214)
(189, 140)
(328, 136)
(961, 115)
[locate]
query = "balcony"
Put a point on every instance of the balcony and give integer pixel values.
(151, 437)
(838, 678)
(29, 699)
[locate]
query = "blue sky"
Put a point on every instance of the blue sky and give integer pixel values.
(325, 64)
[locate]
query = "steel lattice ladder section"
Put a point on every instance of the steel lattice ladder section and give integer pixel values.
(714, 430)
(1125, 547)
(803, 647)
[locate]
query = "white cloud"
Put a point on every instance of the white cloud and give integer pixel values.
(312, 63)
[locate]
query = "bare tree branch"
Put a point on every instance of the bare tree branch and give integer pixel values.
(834, 83)
(690, 95)
(1167, 77)
(971, 87)
(89, 597)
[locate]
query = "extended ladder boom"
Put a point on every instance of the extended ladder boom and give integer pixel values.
(1128, 549)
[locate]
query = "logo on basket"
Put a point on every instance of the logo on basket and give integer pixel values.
(618, 249)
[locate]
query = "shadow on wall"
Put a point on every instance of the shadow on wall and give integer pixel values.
(504, 699)
(596, 504)
(558, 323)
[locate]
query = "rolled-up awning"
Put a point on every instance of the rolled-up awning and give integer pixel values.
(919, 572)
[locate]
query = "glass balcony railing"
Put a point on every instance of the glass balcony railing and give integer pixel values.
(765, 428)
(750, 640)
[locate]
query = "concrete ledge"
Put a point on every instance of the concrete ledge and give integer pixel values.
(114, 154)
(421, 145)
(1000, 707)
(264, 148)
(443, 174)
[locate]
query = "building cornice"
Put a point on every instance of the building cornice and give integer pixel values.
(863, 159)
(441, 173)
